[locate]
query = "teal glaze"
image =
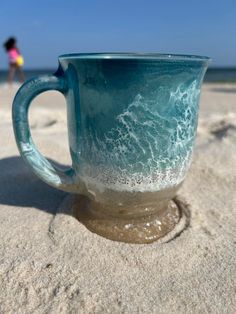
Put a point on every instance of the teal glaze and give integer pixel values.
(132, 120)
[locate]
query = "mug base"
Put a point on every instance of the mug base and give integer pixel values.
(144, 229)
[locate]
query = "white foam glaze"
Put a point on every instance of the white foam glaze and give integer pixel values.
(149, 148)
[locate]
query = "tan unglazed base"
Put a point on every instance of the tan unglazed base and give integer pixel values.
(144, 228)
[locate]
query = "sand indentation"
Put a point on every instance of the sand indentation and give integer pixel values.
(66, 217)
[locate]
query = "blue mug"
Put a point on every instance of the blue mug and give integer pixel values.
(132, 122)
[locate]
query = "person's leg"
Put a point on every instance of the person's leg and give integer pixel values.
(21, 74)
(11, 73)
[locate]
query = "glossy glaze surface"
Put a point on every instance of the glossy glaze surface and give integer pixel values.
(132, 122)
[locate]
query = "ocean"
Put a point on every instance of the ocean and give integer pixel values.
(222, 75)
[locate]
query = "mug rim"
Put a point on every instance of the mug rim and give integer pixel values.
(134, 56)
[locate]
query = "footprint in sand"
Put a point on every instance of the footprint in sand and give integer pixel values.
(218, 126)
(222, 129)
(41, 120)
(43, 124)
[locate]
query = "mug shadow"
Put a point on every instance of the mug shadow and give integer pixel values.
(20, 187)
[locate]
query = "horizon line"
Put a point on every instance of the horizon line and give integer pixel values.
(218, 67)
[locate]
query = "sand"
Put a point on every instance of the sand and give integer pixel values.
(50, 263)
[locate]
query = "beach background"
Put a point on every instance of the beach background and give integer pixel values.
(213, 74)
(49, 262)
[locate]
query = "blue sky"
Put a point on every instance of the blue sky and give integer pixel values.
(48, 28)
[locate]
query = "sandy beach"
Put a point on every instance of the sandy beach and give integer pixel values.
(50, 263)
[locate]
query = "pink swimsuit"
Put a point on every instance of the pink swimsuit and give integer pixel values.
(13, 54)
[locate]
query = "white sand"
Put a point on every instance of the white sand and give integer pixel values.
(50, 263)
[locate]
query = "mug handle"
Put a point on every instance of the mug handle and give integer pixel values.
(45, 170)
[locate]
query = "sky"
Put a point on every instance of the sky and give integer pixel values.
(48, 28)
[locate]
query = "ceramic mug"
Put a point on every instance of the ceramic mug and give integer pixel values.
(132, 122)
